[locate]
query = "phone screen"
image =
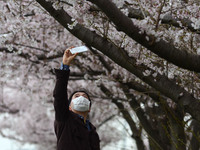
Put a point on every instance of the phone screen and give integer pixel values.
(79, 49)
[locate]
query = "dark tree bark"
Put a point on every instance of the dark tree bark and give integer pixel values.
(167, 19)
(195, 141)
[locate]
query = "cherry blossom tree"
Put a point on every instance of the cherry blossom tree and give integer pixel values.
(143, 66)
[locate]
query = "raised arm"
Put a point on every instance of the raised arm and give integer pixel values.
(61, 104)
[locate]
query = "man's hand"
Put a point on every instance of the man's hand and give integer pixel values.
(68, 56)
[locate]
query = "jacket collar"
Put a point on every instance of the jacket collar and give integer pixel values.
(80, 120)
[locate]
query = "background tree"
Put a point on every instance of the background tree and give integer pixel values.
(143, 60)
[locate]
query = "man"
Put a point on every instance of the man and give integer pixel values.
(73, 130)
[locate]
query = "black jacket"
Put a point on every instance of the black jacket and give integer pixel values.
(70, 129)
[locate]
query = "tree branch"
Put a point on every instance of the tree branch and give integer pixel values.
(14, 50)
(102, 59)
(4, 108)
(166, 19)
(106, 120)
(195, 140)
(163, 49)
(155, 95)
(136, 133)
(27, 56)
(36, 48)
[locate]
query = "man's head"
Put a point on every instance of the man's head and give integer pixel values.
(79, 101)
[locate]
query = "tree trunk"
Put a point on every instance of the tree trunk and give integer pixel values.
(195, 141)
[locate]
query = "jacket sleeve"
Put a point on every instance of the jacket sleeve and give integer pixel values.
(61, 103)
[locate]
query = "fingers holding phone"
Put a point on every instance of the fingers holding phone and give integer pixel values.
(68, 56)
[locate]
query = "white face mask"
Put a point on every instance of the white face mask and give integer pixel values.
(81, 104)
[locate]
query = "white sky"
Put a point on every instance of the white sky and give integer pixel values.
(7, 144)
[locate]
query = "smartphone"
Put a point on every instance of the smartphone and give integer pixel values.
(78, 49)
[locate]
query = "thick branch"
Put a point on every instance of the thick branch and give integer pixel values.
(166, 19)
(163, 49)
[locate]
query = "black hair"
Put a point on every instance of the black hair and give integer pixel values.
(84, 91)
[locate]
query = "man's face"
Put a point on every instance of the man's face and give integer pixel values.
(77, 94)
